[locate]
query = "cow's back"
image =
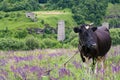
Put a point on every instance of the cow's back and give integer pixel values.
(103, 40)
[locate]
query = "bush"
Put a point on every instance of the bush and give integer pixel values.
(20, 34)
(115, 35)
(11, 44)
(51, 43)
(32, 43)
(5, 33)
(74, 42)
(114, 23)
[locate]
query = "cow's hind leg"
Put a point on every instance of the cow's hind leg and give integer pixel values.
(103, 65)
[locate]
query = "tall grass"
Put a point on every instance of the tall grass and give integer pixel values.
(32, 65)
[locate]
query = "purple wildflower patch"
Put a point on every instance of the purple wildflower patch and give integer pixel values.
(64, 72)
(27, 58)
(77, 64)
(3, 62)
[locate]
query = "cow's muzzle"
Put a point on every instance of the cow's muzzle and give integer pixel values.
(92, 46)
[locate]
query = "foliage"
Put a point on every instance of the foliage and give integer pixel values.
(112, 15)
(115, 35)
(5, 33)
(11, 44)
(114, 23)
(14, 24)
(114, 1)
(20, 33)
(90, 10)
(16, 5)
(31, 43)
(50, 43)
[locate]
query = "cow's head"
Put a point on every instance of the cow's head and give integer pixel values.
(86, 36)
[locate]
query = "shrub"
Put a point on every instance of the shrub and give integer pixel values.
(20, 34)
(6, 15)
(11, 44)
(1, 17)
(115, 35)
(5, 33)
(31, 43)
(114, 23)
(74, 42)
(51, 43)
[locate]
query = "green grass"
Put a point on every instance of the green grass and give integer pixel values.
(52, 17)
(18, 20)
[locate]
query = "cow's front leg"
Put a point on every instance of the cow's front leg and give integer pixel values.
(82, 57)
(94, 65)
(96, 68)
(86, 64)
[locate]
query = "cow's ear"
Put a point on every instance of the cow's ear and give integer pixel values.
(94, 28)
(76, 30)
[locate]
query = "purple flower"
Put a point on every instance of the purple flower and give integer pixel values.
(2, 78)
(4, 72)
(16, 59)
(19, 71)
(114, 69)
(77, 64)
(34, 69)
(26, 67)
(53, 55)
(27, 58)
(64, 72)
(40, 56)
(3, 62)
(39, 75)
(13, 69)
(52, 78)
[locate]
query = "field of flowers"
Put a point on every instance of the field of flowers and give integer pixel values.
(48, 65)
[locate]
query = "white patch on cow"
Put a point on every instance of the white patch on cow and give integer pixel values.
(87, 27)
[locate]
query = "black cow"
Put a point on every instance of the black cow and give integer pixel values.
(94, 43)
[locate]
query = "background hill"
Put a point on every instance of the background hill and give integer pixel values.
(16, 28)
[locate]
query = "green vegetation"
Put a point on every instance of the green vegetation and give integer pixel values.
(17, 32)
(115, 35)
(26, 41)
(15, 5)
(18, 20)
(16, 28)
(112, 15)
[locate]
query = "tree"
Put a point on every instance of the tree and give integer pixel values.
(42, 1)
(92, 10)
(114, 1)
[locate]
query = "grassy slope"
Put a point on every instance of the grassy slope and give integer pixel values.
(13, 22)
(49, 17)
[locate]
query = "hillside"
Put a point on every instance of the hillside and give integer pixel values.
(18, 32)
(18, 19)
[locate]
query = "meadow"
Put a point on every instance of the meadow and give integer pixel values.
(18, 20)
(47, 64)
